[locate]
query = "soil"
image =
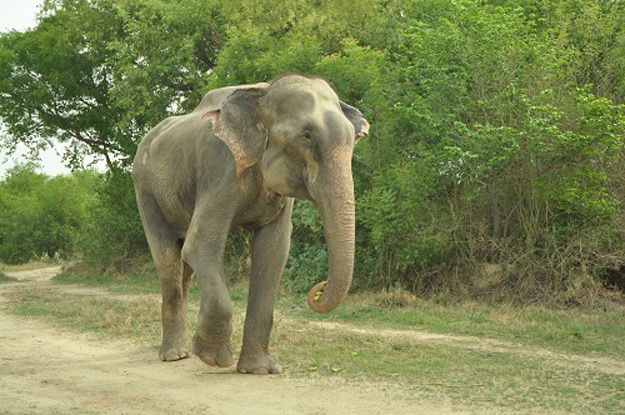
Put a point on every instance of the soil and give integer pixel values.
(47, 370)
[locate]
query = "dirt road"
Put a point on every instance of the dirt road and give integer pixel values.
(46, 370)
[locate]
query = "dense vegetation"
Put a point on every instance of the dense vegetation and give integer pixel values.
(56, 218)
(495, 161)
(40, 216)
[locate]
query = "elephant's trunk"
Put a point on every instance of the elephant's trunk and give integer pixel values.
(336, 205)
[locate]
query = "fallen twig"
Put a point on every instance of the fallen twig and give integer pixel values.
(447, 385)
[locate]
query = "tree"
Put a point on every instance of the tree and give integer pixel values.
(55, 82)
(497, 126)
(96, 75)
(41, 216)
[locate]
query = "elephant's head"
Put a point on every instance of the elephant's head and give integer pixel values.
(302, 136)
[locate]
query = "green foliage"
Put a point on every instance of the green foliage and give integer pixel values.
(402, 221)
(86, 215)
(98, 74)
(161, 58)
(497, 126)
(567, 165)
(55, 82)
(592, 34)
(250, 58)
(307, 263)
(489, 153)
(40, 216)
(327, 22)
(113, 228)
(355, 71)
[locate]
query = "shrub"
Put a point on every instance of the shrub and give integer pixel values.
(113, 229)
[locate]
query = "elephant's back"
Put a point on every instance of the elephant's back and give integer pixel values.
(171, 143)
(179, 159)
(164, 170)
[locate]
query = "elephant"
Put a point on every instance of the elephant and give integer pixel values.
(238, 160)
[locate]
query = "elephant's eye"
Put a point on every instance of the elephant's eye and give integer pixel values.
(307, 136)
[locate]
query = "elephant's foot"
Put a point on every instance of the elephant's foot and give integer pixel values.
(213, 354)
(174, 350)
(262, 364)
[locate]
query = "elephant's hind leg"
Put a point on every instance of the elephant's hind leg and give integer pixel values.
(175, 288)
(174, 277)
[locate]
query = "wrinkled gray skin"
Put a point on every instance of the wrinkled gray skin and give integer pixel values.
(237, 161)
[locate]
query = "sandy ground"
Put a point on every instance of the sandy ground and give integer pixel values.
(45, 370)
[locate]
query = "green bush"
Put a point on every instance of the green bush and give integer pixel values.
(251, 58)
(496, 128)
(41, 216)
(113, 228)
(307, 263)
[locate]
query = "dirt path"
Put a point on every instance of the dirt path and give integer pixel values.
(45, 370)
(43, 274)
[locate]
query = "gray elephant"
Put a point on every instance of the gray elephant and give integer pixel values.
(237, 161)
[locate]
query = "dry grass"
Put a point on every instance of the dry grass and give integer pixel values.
(521, 284)
(462, 369)
(5, 278)
(395, 297)
(138, 318)
(27, 266)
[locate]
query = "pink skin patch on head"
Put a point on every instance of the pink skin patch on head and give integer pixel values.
(212, 116)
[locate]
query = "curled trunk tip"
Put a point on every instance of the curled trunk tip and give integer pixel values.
(322, 300)
(314, 299)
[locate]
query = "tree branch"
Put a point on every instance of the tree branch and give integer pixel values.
(100, 147)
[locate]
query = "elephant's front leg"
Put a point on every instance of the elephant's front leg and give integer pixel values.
(203, 250)
(270, 248)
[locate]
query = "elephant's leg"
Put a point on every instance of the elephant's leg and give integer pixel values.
(174, 276)
(175, 289)
(270, 248)
(203, 250)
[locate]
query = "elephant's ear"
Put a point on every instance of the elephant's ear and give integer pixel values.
(238, 124)
(354, 115)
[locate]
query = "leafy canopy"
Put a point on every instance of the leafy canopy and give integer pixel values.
(497, 126)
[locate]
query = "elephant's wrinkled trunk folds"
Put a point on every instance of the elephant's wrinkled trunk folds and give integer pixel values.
(336, 205)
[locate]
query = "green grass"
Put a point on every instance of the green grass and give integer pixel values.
(598, 333)
(110, 317)
(573, 331)
(518, 377)
(5, 278)
(135, 283)
(143, 282)
(462, 375)
(583, 332)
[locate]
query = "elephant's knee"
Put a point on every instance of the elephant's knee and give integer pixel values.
(169, 265)
(188, 253)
